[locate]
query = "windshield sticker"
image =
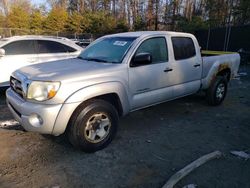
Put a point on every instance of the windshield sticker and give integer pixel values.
(120, 43)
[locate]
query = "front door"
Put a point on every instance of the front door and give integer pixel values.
(149, 83)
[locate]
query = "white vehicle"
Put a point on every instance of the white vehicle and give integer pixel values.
(20, 51)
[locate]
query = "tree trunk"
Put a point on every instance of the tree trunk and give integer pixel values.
(156, 14)
(5, 7)
(129, 14)
(114, 8)
(150, 14)
(173, 16)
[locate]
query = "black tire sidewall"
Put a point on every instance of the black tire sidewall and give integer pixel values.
(212, 99)
(80, 123)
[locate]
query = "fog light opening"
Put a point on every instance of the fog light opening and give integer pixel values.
(35, 120)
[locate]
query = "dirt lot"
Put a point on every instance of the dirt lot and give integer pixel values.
(151, 145)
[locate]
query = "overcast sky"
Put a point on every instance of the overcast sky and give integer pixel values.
(37, 2)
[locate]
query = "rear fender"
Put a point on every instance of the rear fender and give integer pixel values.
(214, 71)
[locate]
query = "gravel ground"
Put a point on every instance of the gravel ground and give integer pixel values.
(151, 145)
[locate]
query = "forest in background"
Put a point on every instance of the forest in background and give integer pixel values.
(112, 16)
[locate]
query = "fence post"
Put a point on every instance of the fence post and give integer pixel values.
(225, 39)
(208, 37)
(228, 37)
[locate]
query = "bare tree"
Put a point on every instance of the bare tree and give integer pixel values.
(4, 6)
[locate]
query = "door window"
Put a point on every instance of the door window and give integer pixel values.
(183, 48)
(45, 46)
(20, 47)
(157, 47)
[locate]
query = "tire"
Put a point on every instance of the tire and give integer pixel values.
(217, 91)
(93, 125)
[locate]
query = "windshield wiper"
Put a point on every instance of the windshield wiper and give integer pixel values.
(97, 60)
(79, 57)
(94, 59)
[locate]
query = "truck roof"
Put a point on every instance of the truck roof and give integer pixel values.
(149, 33)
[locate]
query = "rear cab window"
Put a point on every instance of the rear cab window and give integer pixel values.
(46, 46)
(183, 47)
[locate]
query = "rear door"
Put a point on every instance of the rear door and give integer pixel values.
(52, 50)
(149, 83)
(17, 54)
(186, 65)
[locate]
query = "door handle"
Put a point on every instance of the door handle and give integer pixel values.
(168, 70)
(197, 65)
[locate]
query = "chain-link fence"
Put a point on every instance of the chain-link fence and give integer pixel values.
(231, 38)
(83, 39)
(9, 32)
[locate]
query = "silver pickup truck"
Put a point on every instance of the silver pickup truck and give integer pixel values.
(115, 75)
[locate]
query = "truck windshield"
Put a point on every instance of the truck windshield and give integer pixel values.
(108, 50)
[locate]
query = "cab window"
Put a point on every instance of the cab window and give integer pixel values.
(183, 48)
(157, 47)
(20, 47)
(46, 46)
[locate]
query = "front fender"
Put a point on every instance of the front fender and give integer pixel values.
(101, 89)
(83, 94)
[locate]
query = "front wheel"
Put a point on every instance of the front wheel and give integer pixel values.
(217, 91)
(93, 125)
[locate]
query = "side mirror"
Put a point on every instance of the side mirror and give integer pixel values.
(2, 52)
(141, 59)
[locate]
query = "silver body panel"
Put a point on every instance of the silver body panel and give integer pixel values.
(136, 87)
(213, 64)
(47, 112)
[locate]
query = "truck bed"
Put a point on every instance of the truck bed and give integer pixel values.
(214, 62)
(214, 53)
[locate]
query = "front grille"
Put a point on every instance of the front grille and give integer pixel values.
(18, 113)
(16, 85)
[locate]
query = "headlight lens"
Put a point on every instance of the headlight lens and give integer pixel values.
(42, 91)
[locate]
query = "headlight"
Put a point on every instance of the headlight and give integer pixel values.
(42, 91)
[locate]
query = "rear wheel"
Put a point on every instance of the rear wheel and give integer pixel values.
(216, 93)
(93, 125)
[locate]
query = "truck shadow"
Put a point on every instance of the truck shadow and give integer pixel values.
(61, 140)
(174, 108)
(16, 127)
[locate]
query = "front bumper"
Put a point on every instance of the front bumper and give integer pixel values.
(22, 111)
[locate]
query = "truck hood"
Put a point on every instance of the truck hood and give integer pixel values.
(65, 69)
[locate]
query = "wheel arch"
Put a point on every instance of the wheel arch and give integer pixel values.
(223, 69)
(225, 73)
(111, 98)
(112, 92)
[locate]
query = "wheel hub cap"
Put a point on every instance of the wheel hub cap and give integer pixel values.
(220, 91)
(97, 128)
